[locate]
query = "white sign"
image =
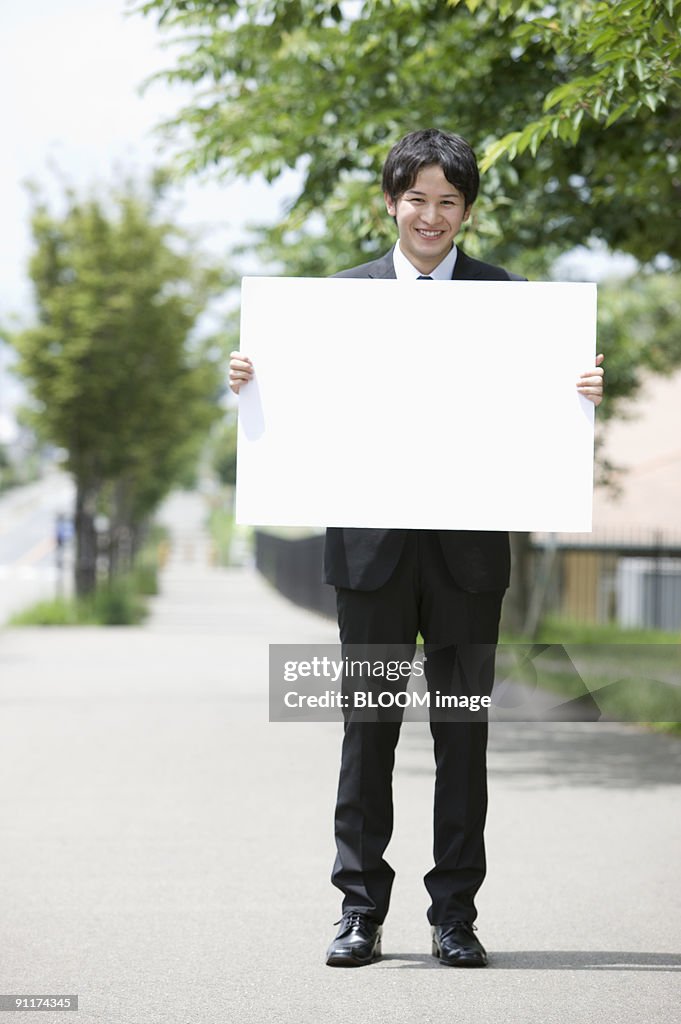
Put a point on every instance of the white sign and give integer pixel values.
(424, 405)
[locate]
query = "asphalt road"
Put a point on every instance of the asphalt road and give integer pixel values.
(28, 568)
(165, 850)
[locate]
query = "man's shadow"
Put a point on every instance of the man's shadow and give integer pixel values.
(552, 960)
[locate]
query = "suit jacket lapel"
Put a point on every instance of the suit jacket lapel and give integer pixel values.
(383, 267)
(465, 269)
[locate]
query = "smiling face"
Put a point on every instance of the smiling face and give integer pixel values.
(429, 216)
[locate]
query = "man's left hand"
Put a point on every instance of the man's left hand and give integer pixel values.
(590, 384)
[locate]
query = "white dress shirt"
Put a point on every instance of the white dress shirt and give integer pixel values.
(406, 271)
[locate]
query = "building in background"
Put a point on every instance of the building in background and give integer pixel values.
(628, 570)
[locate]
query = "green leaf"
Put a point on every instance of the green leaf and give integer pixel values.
(539, 135)
(576, 119)
(600, 38)
(497, 149)
(617, 113)
(557, 95)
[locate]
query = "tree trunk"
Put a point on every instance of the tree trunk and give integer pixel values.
(121, 531)
(86, 538)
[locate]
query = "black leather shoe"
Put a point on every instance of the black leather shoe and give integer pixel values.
(455, 945)
(358, 942)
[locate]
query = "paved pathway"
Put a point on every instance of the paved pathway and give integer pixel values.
(165, 851)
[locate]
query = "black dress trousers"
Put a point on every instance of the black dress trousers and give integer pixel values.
(382, 625)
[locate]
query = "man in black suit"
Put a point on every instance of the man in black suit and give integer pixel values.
(393, 584)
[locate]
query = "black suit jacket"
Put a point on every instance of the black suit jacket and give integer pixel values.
(365, 559)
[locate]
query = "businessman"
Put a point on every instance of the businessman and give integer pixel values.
(393, 584)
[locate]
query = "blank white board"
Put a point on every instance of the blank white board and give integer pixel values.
(400, 404)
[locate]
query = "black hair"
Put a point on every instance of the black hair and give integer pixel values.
(423, 149)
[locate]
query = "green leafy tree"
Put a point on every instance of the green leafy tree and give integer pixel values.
(624, 57)
(117, 377)
(638, 325)
(574, 107)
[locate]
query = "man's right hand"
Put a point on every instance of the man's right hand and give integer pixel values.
(240, 370)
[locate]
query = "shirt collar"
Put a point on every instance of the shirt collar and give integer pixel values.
(406, 271)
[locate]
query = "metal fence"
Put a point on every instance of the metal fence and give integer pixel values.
(632, 580)
(294, 567)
